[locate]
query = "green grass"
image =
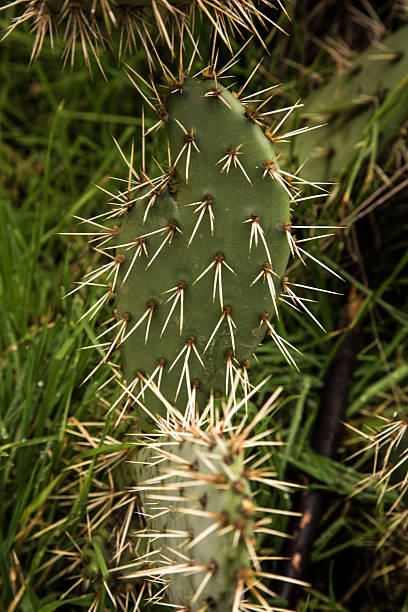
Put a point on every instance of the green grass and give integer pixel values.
(50, 163)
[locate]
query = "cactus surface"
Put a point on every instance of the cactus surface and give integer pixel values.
(365, 105)
(202, 517)
(219, 212)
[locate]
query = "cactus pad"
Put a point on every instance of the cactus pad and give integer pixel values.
(202, 517)
(216, 245)
(365, 105)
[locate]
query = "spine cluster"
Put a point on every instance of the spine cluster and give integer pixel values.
(132, 26)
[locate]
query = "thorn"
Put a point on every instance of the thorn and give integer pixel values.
(115, 343)
(188, 347)
(229, 375)
(232, 158)
(178, 296)
(256, 230)
(189, 142)
(140, 244)
(226, 314)
(217, 263)
(151, 307)
(320, 263)
(279, 341)
(205, 205)
(215, 92)
(266, 275)
(170, 230)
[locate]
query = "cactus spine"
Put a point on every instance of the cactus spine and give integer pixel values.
(134, 23)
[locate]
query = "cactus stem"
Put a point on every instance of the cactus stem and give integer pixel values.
(176, 489)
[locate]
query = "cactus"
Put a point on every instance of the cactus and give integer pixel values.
(198, 271)
(216, 227)
(365, 106)
(201, 487)
(93, 23)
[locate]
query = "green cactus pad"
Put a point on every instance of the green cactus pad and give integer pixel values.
(220, 176)
(202, 519)
(223, 500)
(369, 98)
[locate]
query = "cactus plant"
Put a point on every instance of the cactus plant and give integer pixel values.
(93, 23)
(365, 106)
(198, 273)
(201, 489)
(187, 331)
(214, 229)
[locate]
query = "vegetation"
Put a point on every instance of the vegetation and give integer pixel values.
(68, 517)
